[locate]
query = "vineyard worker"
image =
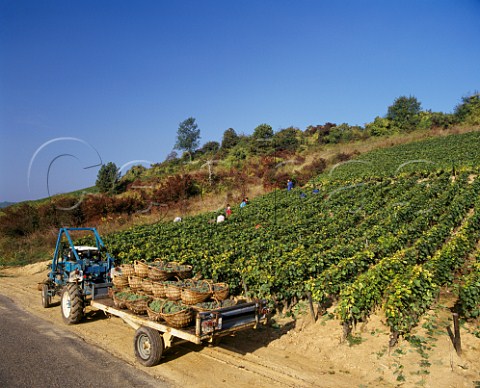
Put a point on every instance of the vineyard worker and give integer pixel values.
(244, 203)
(289, 185)
(228, 211)
(220, 218)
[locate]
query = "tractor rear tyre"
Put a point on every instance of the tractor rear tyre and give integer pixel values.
(46, 298)
(148, 345)
(72, 303)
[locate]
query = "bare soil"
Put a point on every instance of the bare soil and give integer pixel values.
(289, 353)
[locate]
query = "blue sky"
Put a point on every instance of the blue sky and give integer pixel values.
(85, 82)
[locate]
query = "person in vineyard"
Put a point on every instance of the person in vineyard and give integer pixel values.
(289, 185)
(244, 203)
(228, 211)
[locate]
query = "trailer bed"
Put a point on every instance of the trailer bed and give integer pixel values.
(206, 325)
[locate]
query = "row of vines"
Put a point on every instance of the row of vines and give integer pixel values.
(380, 242)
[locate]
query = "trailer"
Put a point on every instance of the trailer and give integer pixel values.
(153, 338)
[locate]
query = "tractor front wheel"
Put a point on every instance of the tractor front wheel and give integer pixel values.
(46, 298)
(148, 344)
(72, 303)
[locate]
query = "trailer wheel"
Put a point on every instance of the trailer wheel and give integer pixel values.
(46, 298)
(72, 303)
(148, 345)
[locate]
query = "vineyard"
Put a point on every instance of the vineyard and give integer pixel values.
(364, 243)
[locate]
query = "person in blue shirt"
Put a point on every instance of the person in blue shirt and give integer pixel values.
(244, 203)
(289, 185)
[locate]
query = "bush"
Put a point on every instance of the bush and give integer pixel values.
(20, 220)
(379, 127)
(404, 113)
(468, 112)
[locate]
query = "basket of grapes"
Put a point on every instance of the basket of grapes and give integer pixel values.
(154, 309)
(159, 289)
(196, 291)
(213, 305)
(138, 303)
(173, 289)
(120, 298)
(176, 314)
(160, 270)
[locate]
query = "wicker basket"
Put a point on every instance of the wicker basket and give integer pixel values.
(119, 303)
(159, 289)
(173, 290)
(220, 291)
(120, 281)
(141, 268)
(138, 306)
(154, 315)
(135, 283)
(183, 271)
(178, 319)
(147, 286)
(201, 307)
(159, 273)
(127, 270)
(190, 296)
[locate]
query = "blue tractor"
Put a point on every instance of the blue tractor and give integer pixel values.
(78, 274)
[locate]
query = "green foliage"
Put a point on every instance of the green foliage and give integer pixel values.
(344, 133)
(404, 113)
(188, 136)
(134, 173)
(447, 153)
(379, 127)
(262, 141)
(263, 131)
(107, 178)
(468, 111)
(287, 139)
(230, 139)
(469, 293)
(210, 147)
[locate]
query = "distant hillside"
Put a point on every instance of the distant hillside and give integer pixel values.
(5, 204)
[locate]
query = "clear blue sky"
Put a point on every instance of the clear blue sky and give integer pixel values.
(121, 75)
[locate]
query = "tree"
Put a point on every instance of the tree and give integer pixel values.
(286, 139)
(107, 178)
(468, 112)
(230, 139)
(188, 136)
(210, 147)
(262, 140)
(404, 113)
(263, 131)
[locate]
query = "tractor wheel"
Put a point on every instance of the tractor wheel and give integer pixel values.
(72, 303)
(148, 345)
(46, 298)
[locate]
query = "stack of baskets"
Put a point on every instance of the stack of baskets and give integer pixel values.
(135, 283)
(120, 282)
(142, 286)
(141, 268)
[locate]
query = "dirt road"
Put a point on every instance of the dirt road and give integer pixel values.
(290, 354)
